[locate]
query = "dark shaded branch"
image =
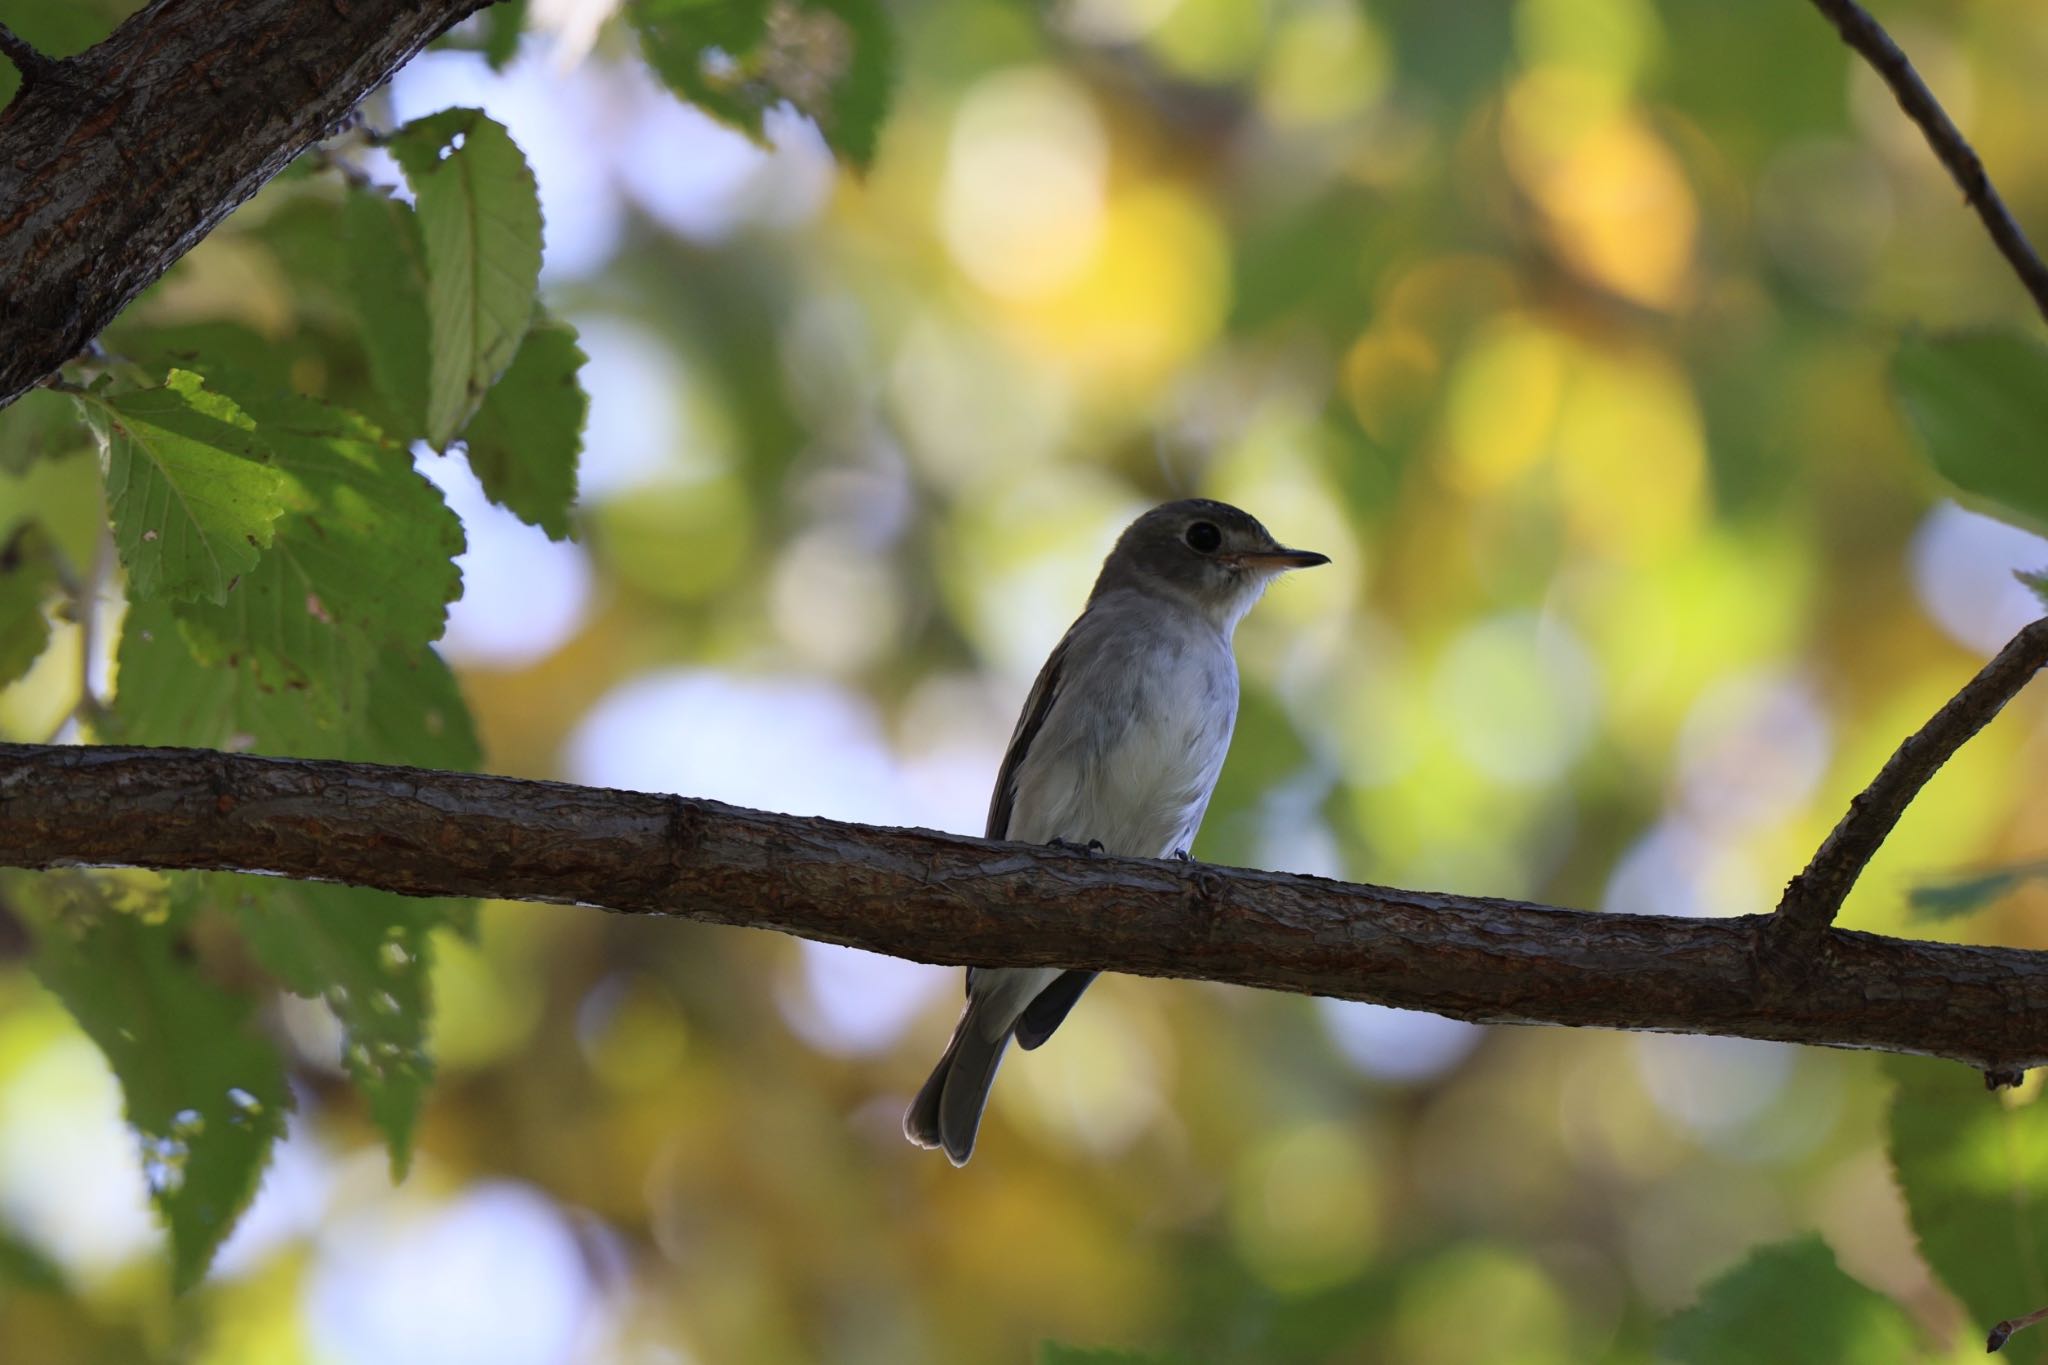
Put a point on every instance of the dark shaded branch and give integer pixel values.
(1869, 39)
(945, 898)
(1813, 897)
(118, 165)
(32, 65)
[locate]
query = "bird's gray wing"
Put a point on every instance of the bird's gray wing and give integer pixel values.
(1044, 692)
(1045, 1012)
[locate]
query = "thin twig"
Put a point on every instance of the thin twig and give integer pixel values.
(2002, 1333)
(1868, 37)
(1813, 897)
(32, 65)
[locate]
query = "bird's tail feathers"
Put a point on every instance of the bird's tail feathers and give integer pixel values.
(947, 1110)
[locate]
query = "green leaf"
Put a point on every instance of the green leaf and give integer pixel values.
(736, 59)
(524, 440)
(1980, 404)
(367, 953)
(206, 1097)
(503, 23)
(1974, 1171)
(41, 424)
(1961, 895)
(1054, 1353)
(189, 487)
(362, 560)
(2037, 583)
(28, 573)
(479, 215)
(1790, 1302)
(387, 271)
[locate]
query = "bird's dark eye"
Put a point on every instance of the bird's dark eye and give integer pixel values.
(1203, 538)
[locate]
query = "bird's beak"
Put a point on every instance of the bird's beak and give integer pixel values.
(1280, 558)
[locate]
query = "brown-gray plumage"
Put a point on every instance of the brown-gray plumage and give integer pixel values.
(1119, 744)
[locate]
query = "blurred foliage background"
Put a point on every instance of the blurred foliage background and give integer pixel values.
(1561, 325)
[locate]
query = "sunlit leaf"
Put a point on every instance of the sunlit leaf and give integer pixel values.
(363, 560)
(189, 486)
(1980, 404)
(833, 59)
(524, 440)
(28, 575)
(205, 1095)
(1790, 1302)
(387, 272)
(1974, 1171)
(479, 215)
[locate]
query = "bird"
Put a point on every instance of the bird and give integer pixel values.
(1117, 749)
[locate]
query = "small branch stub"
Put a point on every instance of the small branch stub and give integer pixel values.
(32, 65)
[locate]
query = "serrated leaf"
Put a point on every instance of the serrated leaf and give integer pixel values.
(479, 215)
(1974, 1171)
(387, 270)
(1791, 1302)
(315, 938)
(1980, 404)
(189, 487)
(1961, 895)
(524, 440)
(361, 562)
(833, 59)
(28, 575)
(205, 1096)
(367, 954)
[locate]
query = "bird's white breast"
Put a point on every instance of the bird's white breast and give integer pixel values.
(1132, 747)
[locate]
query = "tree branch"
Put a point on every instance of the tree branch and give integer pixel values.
(32, 65)
(114, 170)
(1867, 37)
(1814, 896)
(945, 898)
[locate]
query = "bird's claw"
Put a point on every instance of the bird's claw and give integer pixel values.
(1180, 855)
(1092, 846)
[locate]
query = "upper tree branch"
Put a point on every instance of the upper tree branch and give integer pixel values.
(1868, 37)
(32, 65)
(944, 898)
(113, 171)
(1813, 897)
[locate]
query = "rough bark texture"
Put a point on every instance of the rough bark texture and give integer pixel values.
(944, 898)
(115, 162)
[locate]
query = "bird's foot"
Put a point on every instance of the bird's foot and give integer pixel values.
(1180, 855)
(1092, 846)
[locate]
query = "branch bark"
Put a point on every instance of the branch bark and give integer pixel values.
(1816, 894)
(115, 162)
(1869, 39)
(945, 898)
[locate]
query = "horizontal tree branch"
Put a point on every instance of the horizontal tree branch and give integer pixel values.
(946, 898)
(1868, 38)
(115, 162)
